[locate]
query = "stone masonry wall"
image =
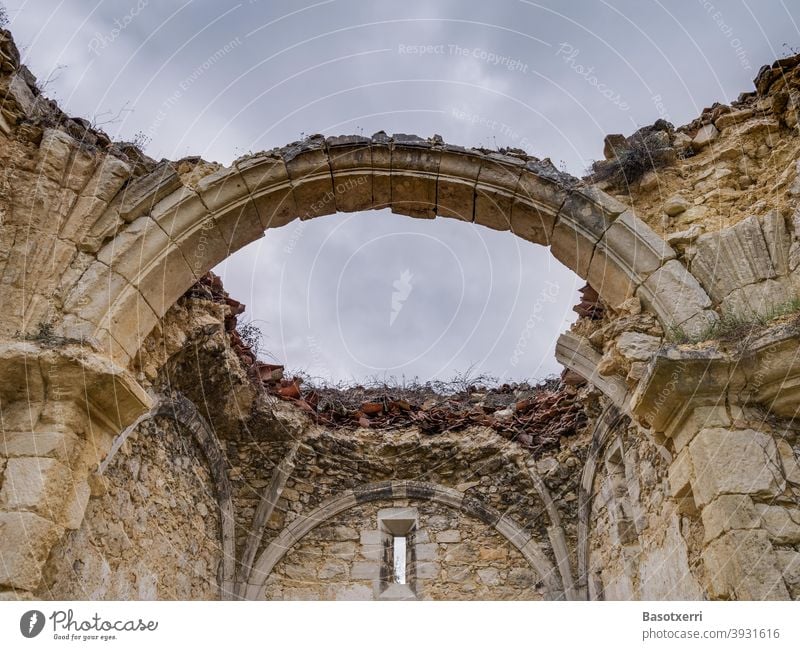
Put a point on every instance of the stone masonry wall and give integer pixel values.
(457, 558)
(151, 529)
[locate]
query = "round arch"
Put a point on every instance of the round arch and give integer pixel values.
(166, 233)
(414, 490)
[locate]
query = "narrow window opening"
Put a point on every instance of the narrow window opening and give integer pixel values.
(399, 551)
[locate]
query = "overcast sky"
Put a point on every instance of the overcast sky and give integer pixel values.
(352, 296)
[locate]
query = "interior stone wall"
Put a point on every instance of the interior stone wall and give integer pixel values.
(457, 558)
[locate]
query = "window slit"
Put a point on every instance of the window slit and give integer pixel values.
(399, 559)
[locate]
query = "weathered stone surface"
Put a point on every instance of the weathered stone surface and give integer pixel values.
(25, 542)
(782, 523)
(704, 137)
(733, 462)
(729, 512)
(732, 258)
(675, 205)
(741, 565)
(635, 346)
(676, 295)
(36, 484)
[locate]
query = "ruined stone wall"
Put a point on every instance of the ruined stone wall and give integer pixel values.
(151, 529)
(684, 482)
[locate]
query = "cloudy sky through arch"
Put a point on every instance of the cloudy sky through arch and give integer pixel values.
(352, 296)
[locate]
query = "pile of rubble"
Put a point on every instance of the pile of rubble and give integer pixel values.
(536, 417)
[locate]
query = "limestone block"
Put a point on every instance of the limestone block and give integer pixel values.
(458, 173)
(350, 158)
(782, 523)
(531, 222)
(36, 484)
(370, 537)
(427, 570)
(355, 592)
(141, 194)
(179, 211)
(414, 171)
(789, 566)
(675, 205)
(91, 297)
(332, 570)
(791, 466)
(448, 537)
(677, 298)
(741, 565)
(680, 475)
(733, 118)
(268, 181)
(489, 576)
(729, 512)
(778, 241)
(664, 571)
(494, 193)
(25, 543)
(53, 444)
(572, 243)
(55, 150)
(365, 571)
(426, 552)
(704, 137)
(381, 170)
(701, 417)
(222, 188)
(310, 176)
(731, 258)
(76, 504)
(739, 461)
(131, 318)
(761, 298)
(134, 247)
(107, 179)
(635, 346)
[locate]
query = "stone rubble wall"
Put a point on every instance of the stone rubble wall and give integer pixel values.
(151, 529)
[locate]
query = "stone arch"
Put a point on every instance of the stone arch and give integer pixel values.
(161, 234)
(507, 527)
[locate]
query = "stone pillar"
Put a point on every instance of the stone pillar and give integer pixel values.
(732, 476)
(731, 471)
(60, 409)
